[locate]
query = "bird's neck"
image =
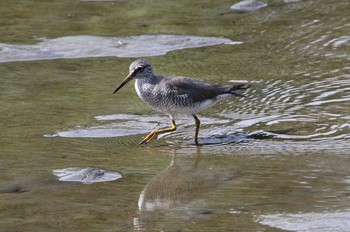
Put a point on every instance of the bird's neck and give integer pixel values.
(147, 79)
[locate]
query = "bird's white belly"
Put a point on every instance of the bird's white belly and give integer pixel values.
(186, 110)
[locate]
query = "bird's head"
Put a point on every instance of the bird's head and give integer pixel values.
(138, 69)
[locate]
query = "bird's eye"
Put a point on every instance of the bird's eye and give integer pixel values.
(139, 69)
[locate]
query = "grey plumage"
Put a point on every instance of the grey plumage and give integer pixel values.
(167, 93)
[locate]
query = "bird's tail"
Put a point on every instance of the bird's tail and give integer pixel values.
(239, 86)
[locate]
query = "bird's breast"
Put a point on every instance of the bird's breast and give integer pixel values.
(138, 89)
(145, 91)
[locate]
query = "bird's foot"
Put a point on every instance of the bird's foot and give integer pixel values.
(149, 138)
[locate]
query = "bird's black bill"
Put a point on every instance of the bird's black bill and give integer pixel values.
(126, 80)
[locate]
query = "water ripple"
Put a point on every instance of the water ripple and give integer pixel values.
(296, 110)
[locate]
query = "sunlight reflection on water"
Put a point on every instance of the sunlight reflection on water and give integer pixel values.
(85, 46)
(86, 175)
(312, 222)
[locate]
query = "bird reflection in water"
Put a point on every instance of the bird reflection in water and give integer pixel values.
(177, 186)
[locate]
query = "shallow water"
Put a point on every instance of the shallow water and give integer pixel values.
(276, 160)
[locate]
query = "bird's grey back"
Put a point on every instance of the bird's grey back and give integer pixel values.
(172, 92)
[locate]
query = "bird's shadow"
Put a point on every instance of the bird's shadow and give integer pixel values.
(234, 138)
(178, 185)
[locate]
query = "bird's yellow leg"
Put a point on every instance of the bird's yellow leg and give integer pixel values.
(155, 133)
(198, 123)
